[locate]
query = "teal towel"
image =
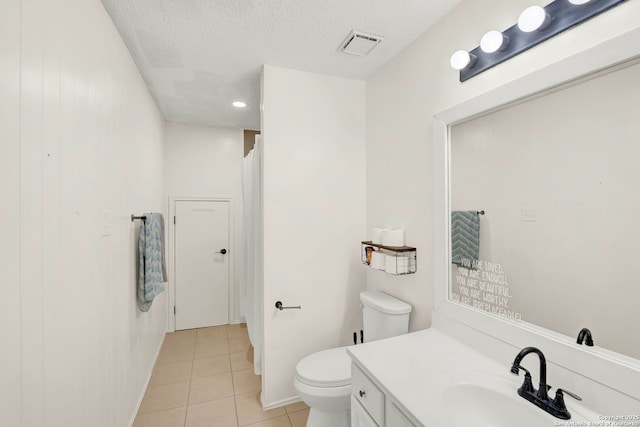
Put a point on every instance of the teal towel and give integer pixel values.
(465, 236)
(152, 272)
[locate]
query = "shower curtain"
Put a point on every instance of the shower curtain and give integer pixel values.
(252, 257)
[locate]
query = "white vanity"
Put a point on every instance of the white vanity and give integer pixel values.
(372, 405)
(431, 379)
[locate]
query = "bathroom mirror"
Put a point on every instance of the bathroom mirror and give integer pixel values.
(558, 178)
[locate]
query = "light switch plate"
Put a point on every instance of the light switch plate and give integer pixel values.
(105, 223)
(529, 215)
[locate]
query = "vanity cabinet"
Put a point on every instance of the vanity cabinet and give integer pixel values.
(395, 417)
(364, 391)
(359, 416)
(370, 406)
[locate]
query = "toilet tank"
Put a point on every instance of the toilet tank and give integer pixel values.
(383, 316)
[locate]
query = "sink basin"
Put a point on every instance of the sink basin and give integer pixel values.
(478, 399)
(470, 405)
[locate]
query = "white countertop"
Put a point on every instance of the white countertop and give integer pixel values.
(408, 366)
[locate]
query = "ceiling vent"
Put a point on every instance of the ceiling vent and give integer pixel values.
(359, 43)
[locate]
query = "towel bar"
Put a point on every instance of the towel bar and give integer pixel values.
(133, 217)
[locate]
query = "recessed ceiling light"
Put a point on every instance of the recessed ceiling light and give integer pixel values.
(239, 104)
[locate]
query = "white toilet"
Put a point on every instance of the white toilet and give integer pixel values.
(323, 379)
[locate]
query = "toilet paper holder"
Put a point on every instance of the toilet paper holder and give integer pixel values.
(280, 307)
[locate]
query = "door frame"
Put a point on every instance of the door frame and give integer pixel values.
(171, 256)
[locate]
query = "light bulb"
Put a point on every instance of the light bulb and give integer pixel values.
(577, 2)
(462, 59)
(494, 41)
(239, 104)
(533, 18)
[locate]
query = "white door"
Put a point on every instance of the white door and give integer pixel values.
(201, 263)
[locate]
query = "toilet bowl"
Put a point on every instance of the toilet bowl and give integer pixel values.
(323, 379)
(323, 382)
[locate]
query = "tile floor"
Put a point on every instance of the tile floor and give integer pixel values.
(204, 378)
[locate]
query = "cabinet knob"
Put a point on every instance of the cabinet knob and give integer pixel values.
(361, 393)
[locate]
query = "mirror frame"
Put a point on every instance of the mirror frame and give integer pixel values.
(607, 367)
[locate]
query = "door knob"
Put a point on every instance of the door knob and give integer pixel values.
(222, 251)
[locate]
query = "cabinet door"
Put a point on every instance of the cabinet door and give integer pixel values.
(396, 418)
(367, 394)
(359, 416)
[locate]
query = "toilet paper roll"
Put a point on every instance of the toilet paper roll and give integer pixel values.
(378, 260)
(393, 237)
(396, 264)
(376, 235)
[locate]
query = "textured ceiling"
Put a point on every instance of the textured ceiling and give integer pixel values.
(197, 56)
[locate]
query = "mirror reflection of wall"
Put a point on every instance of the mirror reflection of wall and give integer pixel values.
(558, 177)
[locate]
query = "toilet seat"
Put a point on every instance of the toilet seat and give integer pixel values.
(327, 368)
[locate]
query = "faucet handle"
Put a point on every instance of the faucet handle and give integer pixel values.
(575, 396)
(527, 385)
(558, 402)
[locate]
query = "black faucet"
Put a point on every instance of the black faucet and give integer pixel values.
(540, 398)
(542, 391)
(585, 335)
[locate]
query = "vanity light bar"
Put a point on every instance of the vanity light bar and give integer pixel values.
(558, 16)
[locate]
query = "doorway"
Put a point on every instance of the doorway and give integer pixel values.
(201, 263)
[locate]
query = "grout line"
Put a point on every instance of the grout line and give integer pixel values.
(233, 381)
(235, 401)
(186, 412)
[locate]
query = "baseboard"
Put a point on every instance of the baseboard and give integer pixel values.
(146, 383)
(280, 403)
(237, 321)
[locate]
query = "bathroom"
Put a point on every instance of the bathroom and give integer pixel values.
(79, 141)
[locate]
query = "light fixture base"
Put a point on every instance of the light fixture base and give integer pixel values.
(564, 15)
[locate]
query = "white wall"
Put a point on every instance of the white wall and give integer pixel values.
(313, 130)
(80, 135)
(401, 101)
(204, 161)
(10, 375)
